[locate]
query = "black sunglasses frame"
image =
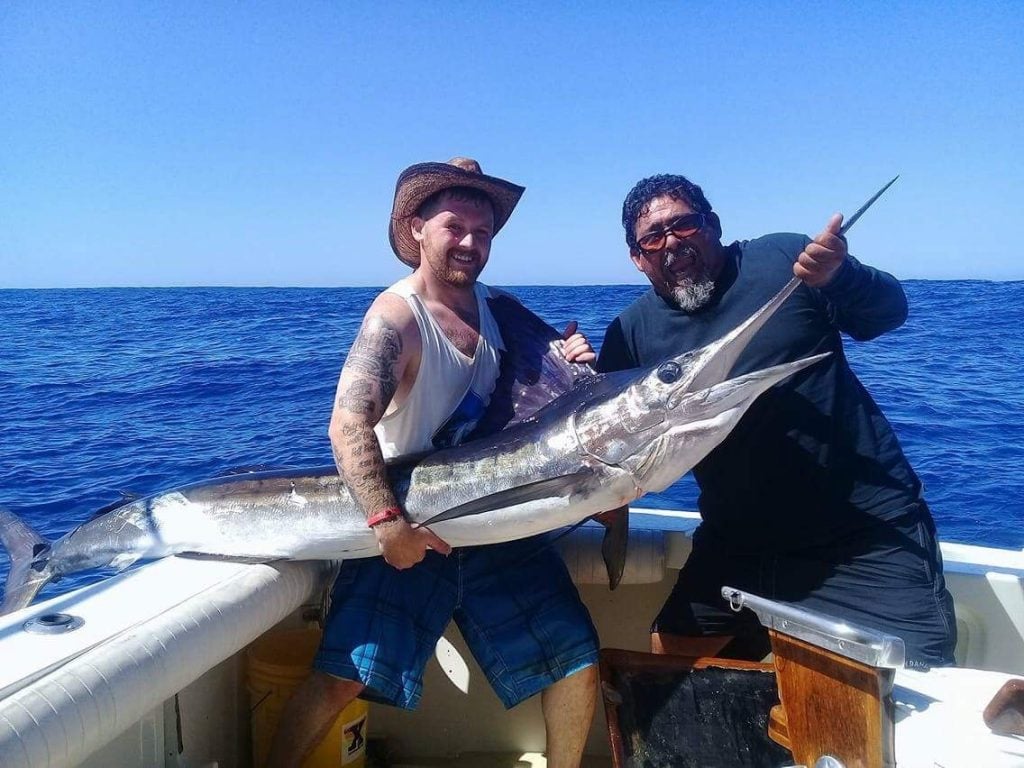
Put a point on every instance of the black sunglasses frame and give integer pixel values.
(675, 229)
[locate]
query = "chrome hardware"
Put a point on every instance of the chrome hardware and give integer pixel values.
(53, 624)
(862, 644)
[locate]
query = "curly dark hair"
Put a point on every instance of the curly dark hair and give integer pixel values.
(664, 184)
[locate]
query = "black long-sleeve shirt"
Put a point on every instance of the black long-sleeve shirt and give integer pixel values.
(814, 458)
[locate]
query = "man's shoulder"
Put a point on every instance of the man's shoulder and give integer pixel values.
(391, 309)
(769, 257)
(389, 301)
(788, 244)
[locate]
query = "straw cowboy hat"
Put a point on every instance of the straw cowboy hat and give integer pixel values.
(418, 182)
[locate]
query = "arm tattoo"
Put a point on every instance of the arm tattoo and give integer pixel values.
(375, 353)
(362, 467)
(371, 384)
(358, 398)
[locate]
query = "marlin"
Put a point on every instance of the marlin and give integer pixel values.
(600, 443)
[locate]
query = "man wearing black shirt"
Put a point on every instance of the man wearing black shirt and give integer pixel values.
(810, 498)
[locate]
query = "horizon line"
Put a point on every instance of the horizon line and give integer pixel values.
(382, 287)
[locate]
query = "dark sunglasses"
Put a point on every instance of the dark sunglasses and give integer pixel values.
(684, 226)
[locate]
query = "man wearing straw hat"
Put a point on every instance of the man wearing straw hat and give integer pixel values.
(418, 377)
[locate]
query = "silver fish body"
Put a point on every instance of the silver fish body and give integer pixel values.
(604, 442)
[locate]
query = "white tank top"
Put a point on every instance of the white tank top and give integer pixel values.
(451, 390)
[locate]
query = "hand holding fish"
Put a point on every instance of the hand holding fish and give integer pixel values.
(404, 546)
(822, 258)
(575, 347)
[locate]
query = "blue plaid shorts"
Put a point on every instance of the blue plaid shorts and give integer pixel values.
(514, 603)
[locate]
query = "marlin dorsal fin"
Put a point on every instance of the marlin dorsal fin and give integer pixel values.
(533, 371)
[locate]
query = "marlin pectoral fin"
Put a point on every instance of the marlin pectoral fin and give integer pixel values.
(615, 544)
(561, 486)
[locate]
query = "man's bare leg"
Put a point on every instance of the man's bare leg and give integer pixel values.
(568, 707)
(685, 645)
(308, 717)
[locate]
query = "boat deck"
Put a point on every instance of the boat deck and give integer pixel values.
(160, 649)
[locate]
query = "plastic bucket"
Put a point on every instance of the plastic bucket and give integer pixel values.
(277, 663)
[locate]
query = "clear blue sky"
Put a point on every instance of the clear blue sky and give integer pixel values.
(227, 143)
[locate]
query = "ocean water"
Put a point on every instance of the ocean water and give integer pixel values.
(111, 391)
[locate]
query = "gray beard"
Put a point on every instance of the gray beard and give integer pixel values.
(691, 295)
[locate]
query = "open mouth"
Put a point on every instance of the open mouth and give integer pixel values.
(683, 263)
(462, 259)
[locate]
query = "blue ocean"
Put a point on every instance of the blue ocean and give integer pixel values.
(111, 391)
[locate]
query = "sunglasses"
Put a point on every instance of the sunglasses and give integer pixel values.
(684, 226)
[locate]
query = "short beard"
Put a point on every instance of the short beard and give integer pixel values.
(457, 279)
(692, 295)
(454, 277)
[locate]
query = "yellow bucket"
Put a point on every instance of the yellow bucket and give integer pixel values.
(277, 663)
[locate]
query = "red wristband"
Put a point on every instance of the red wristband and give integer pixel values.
(390, 513)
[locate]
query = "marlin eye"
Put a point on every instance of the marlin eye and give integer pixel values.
(669, 372)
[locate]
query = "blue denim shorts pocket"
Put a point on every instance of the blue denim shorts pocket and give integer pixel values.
(383, 625)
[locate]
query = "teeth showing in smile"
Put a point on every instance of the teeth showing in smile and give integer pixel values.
(462, 258)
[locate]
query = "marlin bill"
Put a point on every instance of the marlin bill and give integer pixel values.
(564, 444)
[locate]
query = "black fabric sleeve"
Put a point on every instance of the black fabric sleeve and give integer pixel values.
(615, 354)
(865, 302)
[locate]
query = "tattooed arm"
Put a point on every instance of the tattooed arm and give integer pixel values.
(381, 364)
